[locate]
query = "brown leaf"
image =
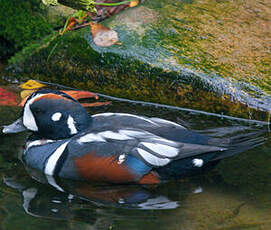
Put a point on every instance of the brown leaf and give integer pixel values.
(77, 94)
(95, 104)
(71, 23)
(103, 36)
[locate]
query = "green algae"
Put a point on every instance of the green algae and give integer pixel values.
(124, 77)
(236, 195)
(229, 38)
(22, 22)
(171, 52)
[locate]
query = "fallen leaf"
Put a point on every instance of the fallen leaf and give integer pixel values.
(76, 94)
(70, 24)
(7, 98)
(27, 92)
(21, 104)
(103, 36)
(31, 84)
(134, 3)
(95, 104)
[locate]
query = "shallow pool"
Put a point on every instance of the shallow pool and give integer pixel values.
(234, 195)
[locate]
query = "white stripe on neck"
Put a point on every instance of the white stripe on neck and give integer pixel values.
(53, 159)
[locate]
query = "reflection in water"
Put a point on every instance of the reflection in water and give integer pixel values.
(57, 204)
(236, 195)
(78, 200)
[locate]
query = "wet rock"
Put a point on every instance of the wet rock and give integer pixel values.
(212, 56)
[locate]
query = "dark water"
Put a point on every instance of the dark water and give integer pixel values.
(235, 195)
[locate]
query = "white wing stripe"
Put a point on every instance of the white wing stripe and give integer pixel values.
(166, 122)
(164, 141)
(151, 159)
(163, 150)
(103, 114)
(90, 138)
(125, 114)
(114, 135)
(132, 133)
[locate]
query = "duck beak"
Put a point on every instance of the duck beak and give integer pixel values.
(16, 127)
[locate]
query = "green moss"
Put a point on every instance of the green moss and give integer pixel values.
(21, 23)
(75, 64)
(33, 48)
(167, 56)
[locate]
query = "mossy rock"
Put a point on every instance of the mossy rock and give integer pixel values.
(167, 55)
(25, 22)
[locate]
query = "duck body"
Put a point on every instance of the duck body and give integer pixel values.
(110, 147)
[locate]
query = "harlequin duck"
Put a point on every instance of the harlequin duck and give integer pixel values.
(113, 147)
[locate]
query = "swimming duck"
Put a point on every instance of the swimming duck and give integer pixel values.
(111, 147)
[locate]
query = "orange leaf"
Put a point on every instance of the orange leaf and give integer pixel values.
(76, 94)
(27, 92)
(21, 104)
(134, 3)
(71, 23)
(95, 104)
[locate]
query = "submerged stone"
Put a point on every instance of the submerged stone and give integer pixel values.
(207, 55)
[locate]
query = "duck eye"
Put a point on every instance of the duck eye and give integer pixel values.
(36, 111)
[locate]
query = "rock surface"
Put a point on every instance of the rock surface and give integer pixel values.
(207, 55)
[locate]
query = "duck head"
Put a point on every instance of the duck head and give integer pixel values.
(51, 114)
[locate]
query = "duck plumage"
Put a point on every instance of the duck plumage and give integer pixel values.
(110, 147)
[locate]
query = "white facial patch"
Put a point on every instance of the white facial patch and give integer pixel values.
(56, 116)
(71, 125)
(28, 117)
(197, 162)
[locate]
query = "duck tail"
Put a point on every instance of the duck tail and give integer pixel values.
(238, 142)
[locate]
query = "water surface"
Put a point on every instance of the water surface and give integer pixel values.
(235, 195)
